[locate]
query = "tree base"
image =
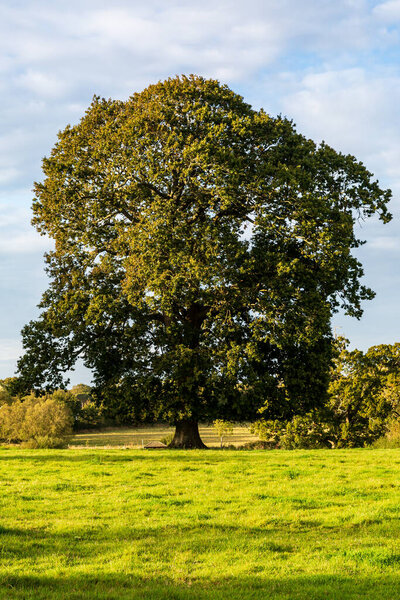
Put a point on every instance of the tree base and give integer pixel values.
(187, 436)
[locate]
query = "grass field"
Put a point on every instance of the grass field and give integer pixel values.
(135, 524)
(136, 437)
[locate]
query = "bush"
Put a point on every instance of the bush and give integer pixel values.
(12, 417)
(12, 386)
(304, 431)
(167, 439)
(85, 412)
(257, 445)
(269, 432)
(89, 416)
(69, 399)
(5, 397)
(36, 422)
(45, 441)
(392, 437)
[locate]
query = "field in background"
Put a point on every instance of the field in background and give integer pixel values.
(134, 437)
(206, 525)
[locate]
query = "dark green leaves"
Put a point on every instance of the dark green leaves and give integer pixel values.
(201, 249)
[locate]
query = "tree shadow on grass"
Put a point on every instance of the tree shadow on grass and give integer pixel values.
(78, 553)
(117, 586)
(87, 544)
(111, 455)
(161, 544)
(95, 456)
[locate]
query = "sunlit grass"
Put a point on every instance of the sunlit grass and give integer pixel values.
(136, 437)
(134, 524)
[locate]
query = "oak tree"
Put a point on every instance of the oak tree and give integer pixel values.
(201, 247)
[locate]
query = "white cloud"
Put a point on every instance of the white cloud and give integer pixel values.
(354, 110)
(385, 244)
(123, 28)
(54, 57)
(24, 243)
(8, 175)
(10, 349)
(54, 45)
(42, 84)
(17, 236)
(388, 11)
(12, 216)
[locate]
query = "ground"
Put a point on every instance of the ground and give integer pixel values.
(118, 524)
(137, 437)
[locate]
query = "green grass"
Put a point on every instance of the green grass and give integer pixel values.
(134, 437)
(132, 524)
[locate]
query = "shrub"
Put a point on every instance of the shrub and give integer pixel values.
(257, 445)
(69, 399)
(89, 416)
(269, 432)
(37, 422)
(11, 418)
(305, 432)
(84, 411)
(301, 432)
(392, 437)
(46, 441)
(11, 385)
(167, 439)
(5, 397)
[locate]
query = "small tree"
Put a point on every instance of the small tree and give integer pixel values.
(223, 428)
(82, 392)
(11, 420)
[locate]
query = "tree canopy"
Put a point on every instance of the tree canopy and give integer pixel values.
(363, 403)
(201, 248)
(364, 393)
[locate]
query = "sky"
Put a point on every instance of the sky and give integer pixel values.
(331, 66)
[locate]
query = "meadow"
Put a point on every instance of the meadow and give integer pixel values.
(139, 436)
(136, 524)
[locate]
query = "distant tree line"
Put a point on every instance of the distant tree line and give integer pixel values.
(362, 407)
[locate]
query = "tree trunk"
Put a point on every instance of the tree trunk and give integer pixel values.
(187, 435)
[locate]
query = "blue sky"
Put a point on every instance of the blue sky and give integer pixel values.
(331, 66)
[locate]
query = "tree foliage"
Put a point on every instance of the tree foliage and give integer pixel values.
(363, 403)
(364, 393)
(5, 396)
(201, 248)
(11, 386)
(302, 431)
(85, 412)
(223, 429)
(38, 422)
